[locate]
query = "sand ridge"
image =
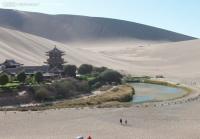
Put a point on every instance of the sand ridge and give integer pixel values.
(178, 60)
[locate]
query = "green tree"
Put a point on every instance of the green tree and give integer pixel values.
(70, 70)
(85, 69)
(4, 79)
(39, 77)
(110, 76)
(99, 69)
(21, 77)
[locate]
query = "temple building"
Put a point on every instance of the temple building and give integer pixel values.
(10, 63)
(55, 60)
(54, 67)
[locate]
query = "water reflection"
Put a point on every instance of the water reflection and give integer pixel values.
(152, 92)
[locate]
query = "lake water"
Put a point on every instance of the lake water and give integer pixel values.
(145, 92)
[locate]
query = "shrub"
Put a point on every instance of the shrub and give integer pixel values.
(85, 69)
(4, 79)
(99, 69)
(64, 88)
(110, 76)
(82, 86)
(159, 76)
(38, 77)
(96, 85)
(93, 81)
(70, 70)
(41, 94)
(21, 77)
(61, 89)
(29, 80)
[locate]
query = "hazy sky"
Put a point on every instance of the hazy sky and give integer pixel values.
(181, 16)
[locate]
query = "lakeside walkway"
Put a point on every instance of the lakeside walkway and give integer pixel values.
(174, 121)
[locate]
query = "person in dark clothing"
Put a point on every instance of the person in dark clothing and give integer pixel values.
(120, 121)
(126, 122)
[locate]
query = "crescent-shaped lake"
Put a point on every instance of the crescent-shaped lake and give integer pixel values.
(145, 92)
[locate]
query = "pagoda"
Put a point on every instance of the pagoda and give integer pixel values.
(55, 60)
(11, 63)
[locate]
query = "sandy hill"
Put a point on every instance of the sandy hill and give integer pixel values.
(30, 50)
(180, 59)
(67, 28)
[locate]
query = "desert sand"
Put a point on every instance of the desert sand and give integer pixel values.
(174, 122)
(177, 61)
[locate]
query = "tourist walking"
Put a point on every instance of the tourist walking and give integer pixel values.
(126, 122)
(120, 121)
(89, 137)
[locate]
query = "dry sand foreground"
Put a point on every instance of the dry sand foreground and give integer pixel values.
(179, 121)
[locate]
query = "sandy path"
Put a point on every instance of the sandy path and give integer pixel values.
(175, 121)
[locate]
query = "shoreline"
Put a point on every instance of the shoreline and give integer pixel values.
(191, 95)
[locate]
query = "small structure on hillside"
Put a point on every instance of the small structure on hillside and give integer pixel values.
(10, 63)
(11, 67)
(55, 60)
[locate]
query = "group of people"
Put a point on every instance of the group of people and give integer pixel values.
(81, 137)
(89, 137)
(121, 121)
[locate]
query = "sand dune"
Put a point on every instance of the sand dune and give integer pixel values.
(30, 50)
(171, 59)
(65, 28)
(176, 60)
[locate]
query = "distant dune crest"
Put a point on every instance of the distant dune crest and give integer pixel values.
(71, 28)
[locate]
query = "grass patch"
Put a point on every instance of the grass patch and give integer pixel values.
(87, 77)
(135, 79)
(119, 94)
(12, 85)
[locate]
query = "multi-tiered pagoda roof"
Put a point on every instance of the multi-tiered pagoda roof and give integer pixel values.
(55, 60)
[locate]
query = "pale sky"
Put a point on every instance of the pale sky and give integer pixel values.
(181, 16)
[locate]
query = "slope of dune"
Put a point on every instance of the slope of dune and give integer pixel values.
(30, 50)
(69, 28)
(180, 59)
